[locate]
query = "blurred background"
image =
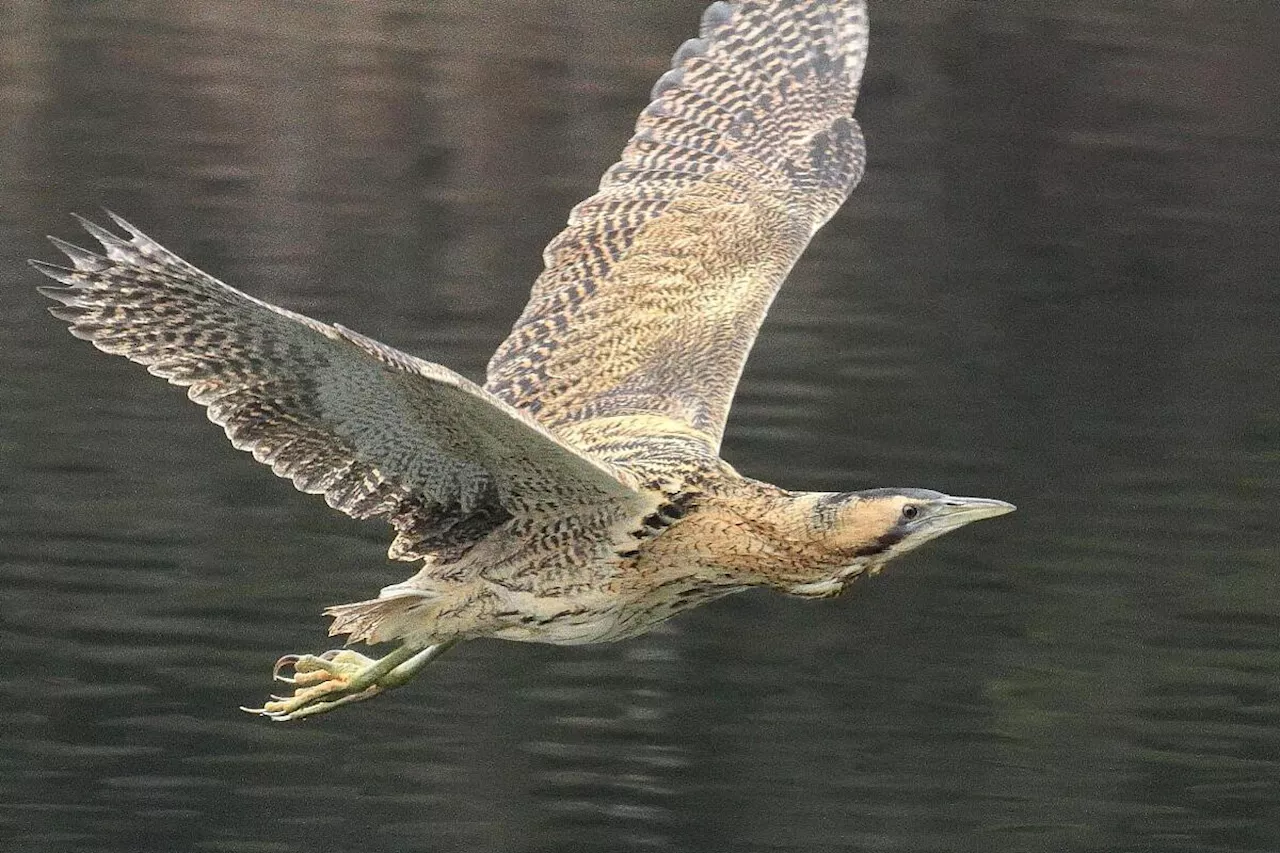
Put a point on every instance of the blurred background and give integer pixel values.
(1056, 285)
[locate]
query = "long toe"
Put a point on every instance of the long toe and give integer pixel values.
(338, 663)
(321, 683)
(340, 676)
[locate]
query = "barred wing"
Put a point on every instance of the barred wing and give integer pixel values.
(652, 296)
(381, 434)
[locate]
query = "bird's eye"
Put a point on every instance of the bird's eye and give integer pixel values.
(910, 511)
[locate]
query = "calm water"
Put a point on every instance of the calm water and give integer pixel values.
(1057, 285)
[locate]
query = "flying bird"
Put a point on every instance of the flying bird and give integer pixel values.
(578, 496)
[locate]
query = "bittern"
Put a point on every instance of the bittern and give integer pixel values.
(579, 495)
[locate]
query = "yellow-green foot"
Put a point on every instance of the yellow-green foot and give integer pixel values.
(340, 677)
(321, 683)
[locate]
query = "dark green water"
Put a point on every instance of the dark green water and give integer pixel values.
(1057, 285)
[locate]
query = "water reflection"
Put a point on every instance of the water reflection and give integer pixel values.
(1056, 285)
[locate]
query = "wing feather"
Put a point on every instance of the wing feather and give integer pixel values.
(378, 432)
(653, 294)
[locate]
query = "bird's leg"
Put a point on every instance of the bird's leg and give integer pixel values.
(340, 676)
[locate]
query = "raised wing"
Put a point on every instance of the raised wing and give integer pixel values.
(379, 433)
(639, 327)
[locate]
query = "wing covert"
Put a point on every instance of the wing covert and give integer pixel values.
(378, 432)
(653, 294)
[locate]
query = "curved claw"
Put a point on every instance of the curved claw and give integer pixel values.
(286, 660)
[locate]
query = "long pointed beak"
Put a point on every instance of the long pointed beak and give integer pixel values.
(958, 511)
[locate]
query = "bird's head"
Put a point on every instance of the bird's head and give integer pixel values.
(859, 532)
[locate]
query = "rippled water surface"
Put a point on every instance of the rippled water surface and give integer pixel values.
(1056, 285)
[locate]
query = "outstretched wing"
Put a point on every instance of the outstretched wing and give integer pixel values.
(653, 295)
(379, 433)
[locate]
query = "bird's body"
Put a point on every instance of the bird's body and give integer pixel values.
(578, 496)
(589, 577)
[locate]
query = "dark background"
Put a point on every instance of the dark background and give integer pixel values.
(1056, 285)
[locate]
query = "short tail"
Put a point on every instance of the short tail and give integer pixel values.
(381, 619)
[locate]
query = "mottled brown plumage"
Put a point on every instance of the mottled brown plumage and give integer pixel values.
(747, 148)
(579, 496)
